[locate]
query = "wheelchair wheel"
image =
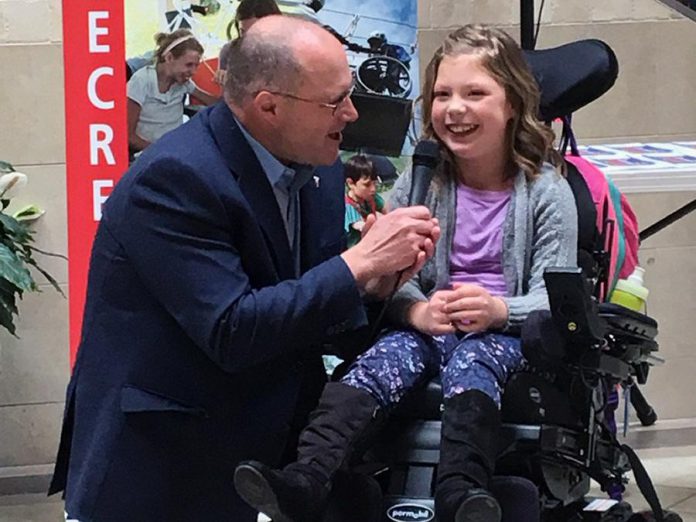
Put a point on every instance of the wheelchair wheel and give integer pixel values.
(385, 76)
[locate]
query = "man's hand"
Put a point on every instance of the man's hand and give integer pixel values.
(430, 317)
(472, 309)
(401, 241)
(381, 287)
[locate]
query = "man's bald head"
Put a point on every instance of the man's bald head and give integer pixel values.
(277, 54)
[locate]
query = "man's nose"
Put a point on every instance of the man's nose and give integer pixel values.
(349, 113)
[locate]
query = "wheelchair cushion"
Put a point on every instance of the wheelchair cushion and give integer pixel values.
(423, 403)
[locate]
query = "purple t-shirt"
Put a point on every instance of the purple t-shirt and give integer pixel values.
(477, 246)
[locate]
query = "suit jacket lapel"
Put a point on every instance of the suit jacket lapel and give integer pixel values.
(254, 184)
(322, 210)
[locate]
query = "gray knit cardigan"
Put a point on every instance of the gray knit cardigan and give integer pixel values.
(540, 231)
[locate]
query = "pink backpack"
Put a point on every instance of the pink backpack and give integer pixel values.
(616, 220)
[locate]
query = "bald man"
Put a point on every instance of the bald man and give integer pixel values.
(217, 275)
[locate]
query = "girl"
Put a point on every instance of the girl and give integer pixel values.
(156, 92)
(506, 213)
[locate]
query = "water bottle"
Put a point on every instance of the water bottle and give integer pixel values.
(630, 292)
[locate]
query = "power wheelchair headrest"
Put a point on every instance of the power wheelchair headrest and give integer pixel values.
(572, 75)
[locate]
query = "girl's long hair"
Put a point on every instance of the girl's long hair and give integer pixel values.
(530, 142)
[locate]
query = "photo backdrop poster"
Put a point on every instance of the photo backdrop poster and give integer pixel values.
(102, 39)
(380, 39)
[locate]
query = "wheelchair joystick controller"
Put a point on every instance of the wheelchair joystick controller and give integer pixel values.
(573, 309)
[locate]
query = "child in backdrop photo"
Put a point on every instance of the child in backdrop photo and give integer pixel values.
(362, 198)
(506, 213)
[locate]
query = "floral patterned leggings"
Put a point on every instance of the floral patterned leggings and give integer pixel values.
(401, 360)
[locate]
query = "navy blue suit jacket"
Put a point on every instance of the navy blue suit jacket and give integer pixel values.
(198, 341)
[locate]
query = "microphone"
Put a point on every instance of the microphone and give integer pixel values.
(425, 159)
(426, 156)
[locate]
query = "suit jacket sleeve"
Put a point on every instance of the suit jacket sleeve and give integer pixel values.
(182, 235)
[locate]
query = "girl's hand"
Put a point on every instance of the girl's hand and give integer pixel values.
(429, 317)
(472, 309)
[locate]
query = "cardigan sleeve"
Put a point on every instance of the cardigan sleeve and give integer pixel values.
(553, 243)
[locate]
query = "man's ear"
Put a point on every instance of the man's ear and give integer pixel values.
(266, 106)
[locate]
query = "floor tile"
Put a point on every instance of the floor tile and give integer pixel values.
(31, 508)
(687, 506)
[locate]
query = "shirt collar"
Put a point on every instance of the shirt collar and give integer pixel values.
(286, 178)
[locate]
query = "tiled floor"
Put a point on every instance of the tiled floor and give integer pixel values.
(668, 453)
(673, 471)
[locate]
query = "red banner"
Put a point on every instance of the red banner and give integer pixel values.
(95, 130)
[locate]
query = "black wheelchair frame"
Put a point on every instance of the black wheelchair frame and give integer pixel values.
(554, 436)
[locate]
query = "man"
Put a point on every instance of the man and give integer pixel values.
(216, 276)
(380, 47)
(386, 76)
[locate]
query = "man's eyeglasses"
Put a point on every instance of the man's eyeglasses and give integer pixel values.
(334, 106)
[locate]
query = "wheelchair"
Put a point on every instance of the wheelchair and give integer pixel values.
(384, 75)
(555, 436)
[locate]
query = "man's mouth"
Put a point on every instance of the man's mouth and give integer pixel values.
(336, 136)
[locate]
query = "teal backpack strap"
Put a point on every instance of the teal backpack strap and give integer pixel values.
(615, 196)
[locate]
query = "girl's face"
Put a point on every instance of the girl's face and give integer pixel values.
(470, 111)
(181, 69)
(363, 189)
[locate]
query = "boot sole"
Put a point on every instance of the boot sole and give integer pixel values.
(257, 492)
(479, 508)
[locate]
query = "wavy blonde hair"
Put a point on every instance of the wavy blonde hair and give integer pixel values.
(530, 142)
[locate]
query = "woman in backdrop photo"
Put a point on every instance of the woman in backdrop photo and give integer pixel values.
(156, 93)
(506, 213)
(246, 15)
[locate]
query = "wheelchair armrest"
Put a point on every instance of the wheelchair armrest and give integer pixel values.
(624, 321)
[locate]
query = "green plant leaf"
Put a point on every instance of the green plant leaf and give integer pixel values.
(14, 227)
(8, 293)
(16, 252)
(13, 270)
(28, 213)
(7, 321)
(6, 168)
(48, 276)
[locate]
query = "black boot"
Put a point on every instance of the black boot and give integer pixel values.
(470, 426)
(298, 493)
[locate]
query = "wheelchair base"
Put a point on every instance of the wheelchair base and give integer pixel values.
(398, 508)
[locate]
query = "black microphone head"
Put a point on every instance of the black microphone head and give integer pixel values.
(427, 153)
(425, 159)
